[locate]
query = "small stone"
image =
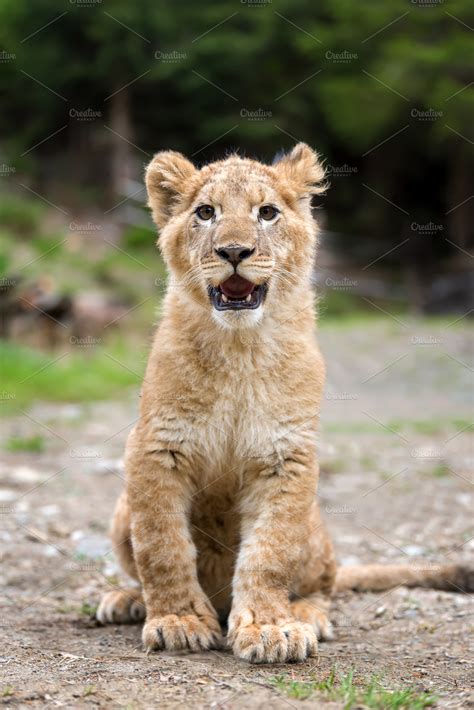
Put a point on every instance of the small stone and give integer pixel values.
(71, 411)
(49, 551)
(58, 529)
(49, 510)
(414, 550)
(34, 535)
(92, 546)
(22, 475)
(7, 495)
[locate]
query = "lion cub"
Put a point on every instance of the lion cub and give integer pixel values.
(220, 518)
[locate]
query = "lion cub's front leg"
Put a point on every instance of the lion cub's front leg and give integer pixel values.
(275, 524)
(178, 613)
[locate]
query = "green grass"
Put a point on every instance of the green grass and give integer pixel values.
(88, 609)
(353, 314)
(440, 470)
(368, 462)
(32, 444)
(139, 237)
(428, 427)
(21, 215)
(370, 693)
(336, 303)
(85, 609)
(336, 465)
(89, 690)
(29, 375)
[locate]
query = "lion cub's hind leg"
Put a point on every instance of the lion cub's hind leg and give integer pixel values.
(123, 605)
(314, 610)
(314, 583)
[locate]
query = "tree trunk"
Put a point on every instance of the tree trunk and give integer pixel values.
(122, 163)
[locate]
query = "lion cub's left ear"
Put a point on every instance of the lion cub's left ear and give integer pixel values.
(302, 168)
(167, 179)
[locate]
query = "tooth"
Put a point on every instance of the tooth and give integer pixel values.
(249, 298)
(224, 298)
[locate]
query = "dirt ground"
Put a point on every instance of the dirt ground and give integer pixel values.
(396, 485)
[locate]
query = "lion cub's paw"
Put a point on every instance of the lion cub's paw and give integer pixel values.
(179, 633)
(310, 613)
(271, 643)
(123, 607)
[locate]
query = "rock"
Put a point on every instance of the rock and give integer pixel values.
(71, 411)
(34, 535)
(112, 568)
(105, 466)
(464, 499)
(58, 529)
(7, 495)
(49, 551)
(20, 475)
(414, 550)
(92, 545)
(49, 510)
(350, 560)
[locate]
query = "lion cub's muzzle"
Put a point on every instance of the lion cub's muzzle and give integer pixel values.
(236, 294)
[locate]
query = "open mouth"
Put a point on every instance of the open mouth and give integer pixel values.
(236, 294)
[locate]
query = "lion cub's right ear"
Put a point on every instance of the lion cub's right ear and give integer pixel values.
(167, 178)
(302, 168)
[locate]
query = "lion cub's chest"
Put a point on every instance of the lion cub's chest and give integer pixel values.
(247, 409)
(243, 422)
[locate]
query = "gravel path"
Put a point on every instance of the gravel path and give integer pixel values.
(396, 485)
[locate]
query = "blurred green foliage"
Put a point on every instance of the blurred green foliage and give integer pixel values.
(138, 237)
(31, 444)
(24, 216)
(76, 378)
(255, 75)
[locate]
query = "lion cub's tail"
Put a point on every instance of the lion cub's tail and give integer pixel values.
(377, 578)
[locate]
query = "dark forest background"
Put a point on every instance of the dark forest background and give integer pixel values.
(91, 89)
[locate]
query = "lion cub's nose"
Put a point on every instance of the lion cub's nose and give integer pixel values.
(234, 254)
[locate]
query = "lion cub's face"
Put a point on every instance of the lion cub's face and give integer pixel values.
(237, 235)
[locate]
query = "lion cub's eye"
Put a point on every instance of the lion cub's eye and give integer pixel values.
(267, 212)
(205, 212)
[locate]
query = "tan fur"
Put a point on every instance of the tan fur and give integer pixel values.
(220, 518)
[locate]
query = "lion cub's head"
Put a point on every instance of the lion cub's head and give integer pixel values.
(238, 236)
